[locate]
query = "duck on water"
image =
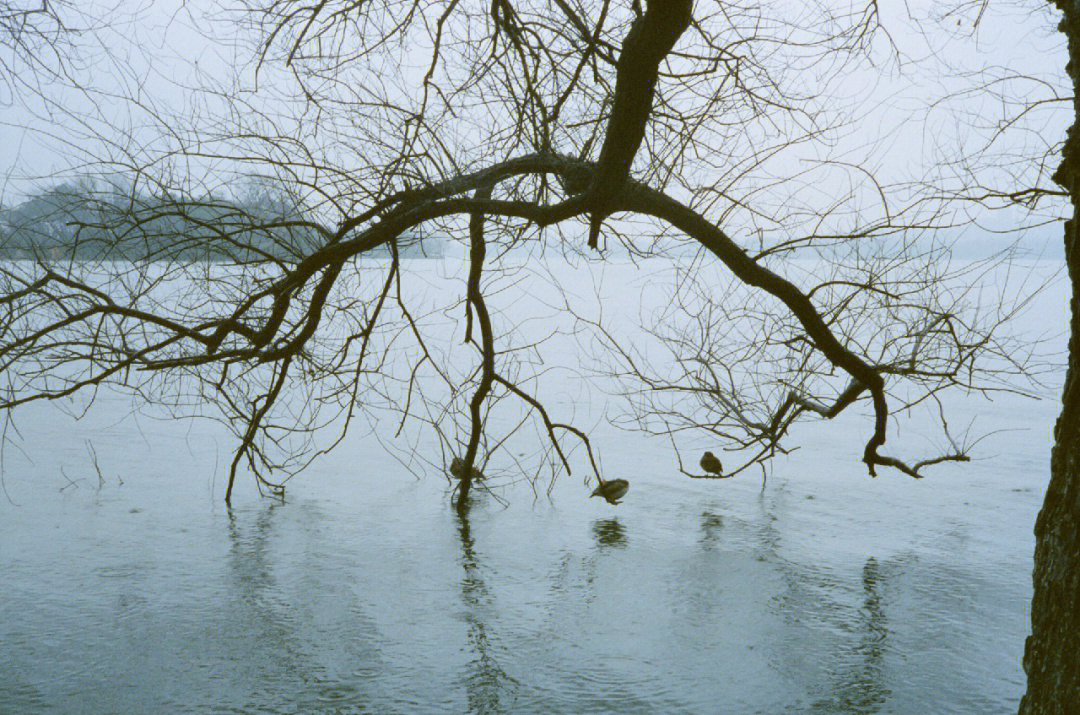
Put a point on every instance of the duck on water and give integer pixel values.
(612, 490)
(457, 469)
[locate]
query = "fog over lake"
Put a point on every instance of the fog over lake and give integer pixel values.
(128, 586)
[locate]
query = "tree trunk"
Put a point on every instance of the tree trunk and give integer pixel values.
(1052, 652)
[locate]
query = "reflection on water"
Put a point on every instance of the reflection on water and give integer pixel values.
(286, 620)
(266, 638)
(858, 680)
(711, 524)
(398, 604)
(380, 598)
(609, 532)
(366, 592)
(485, 679)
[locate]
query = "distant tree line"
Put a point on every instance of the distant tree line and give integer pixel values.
(82, 221)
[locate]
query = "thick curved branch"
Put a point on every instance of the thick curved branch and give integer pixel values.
(638, 198)
(443, 200)
(650, 39)
(247, 445)
(477, 251)
(644, 200)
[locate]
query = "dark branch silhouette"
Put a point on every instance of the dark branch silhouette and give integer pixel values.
(286, 300)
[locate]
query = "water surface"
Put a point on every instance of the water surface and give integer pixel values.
(824, 592)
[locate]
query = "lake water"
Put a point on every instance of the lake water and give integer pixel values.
(823, 592)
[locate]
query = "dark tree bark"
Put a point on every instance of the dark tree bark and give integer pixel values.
(477, 306)
(1052, 652)
(646, 45)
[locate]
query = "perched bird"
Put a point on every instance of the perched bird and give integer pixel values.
(711, 464)
(612, 490)
(457, 469)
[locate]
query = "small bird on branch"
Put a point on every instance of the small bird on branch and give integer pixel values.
(711, 464)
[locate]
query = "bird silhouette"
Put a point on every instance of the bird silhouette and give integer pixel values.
(711, 464)
(612, 490)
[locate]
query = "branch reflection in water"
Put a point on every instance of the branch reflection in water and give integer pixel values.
(269, 643)
(859, 679)
(293, 633)
(486, 679)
